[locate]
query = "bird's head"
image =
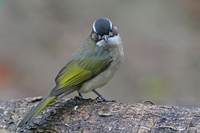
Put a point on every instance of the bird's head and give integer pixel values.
(104, 31)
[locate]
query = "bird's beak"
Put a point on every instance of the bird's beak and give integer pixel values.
(105, 37)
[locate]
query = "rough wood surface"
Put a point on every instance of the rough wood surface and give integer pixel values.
(81, 115)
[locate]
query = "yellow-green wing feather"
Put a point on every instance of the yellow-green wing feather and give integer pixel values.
(71, 75)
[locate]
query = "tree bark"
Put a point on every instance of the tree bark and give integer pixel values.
(81, 115)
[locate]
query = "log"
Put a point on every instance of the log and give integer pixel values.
(83, 116)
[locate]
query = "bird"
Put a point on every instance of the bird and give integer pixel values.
(94, 63)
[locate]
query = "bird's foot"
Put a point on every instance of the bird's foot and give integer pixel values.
(103, 99)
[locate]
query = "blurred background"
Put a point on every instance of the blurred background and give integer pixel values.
(161, 44)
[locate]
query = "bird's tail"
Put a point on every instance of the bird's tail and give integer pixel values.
(36, 110)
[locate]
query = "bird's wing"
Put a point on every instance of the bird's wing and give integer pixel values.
(83, 66)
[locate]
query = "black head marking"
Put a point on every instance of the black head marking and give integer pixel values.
(102, 26)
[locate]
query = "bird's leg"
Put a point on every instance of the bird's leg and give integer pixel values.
(102, 98)
(81, 96)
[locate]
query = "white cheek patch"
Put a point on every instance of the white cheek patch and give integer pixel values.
(111, 41)
(101, 43)
(114, 40)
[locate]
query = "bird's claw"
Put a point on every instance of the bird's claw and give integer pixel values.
(102, 99)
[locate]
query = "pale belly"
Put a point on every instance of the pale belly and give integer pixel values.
(101, 79)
